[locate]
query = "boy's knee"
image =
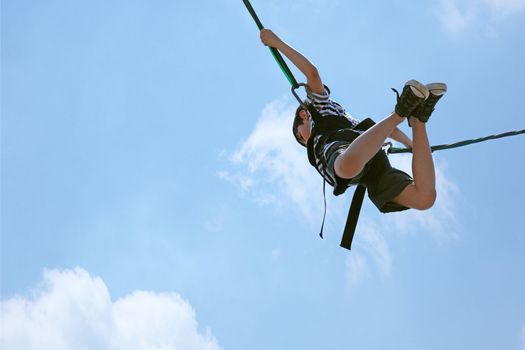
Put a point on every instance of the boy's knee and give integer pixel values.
(426, 200)
(346, 167)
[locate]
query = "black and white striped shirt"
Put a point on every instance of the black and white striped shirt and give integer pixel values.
(326, 108)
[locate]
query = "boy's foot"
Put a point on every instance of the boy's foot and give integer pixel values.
(414, 93)
(424, 110)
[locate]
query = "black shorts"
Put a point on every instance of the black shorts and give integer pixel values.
(383, 182)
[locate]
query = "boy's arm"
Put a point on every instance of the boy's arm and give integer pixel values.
(302, 63)
(399, 136)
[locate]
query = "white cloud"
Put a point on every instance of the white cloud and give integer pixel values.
(376, 246)
(504, 7)
(452, 18)
(373, 243)
(356, 268)
(458, 16)
(73, 310)
(272, 167)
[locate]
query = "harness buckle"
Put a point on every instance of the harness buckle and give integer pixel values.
(301, 102)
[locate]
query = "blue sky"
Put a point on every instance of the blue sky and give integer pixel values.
(152, 193)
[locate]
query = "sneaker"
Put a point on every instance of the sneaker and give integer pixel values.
(414, 94)
(423, 111)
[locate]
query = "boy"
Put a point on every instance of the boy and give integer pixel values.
(345, 153)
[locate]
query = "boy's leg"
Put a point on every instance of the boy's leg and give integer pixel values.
(352, 161)
(422, 193)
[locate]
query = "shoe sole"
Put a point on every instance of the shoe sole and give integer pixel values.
(437, 89)
(418, 89)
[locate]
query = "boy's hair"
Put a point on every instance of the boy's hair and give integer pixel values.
(296, 122)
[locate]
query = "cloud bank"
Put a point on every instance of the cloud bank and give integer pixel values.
(71, 309)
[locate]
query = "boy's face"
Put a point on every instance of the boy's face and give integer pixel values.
(305, 128)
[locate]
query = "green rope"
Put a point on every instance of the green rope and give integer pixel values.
(284, 68)
(393, 150)
(275, 53)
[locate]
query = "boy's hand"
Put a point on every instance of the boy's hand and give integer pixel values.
(269, 38)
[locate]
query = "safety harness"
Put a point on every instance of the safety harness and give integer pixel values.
(325, 129)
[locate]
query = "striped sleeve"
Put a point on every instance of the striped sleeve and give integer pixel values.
(320, 101)
(326, 106)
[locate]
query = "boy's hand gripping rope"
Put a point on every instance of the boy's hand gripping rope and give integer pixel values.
(276, 54)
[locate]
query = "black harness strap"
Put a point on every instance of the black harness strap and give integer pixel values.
(329, 127)
(324, 214)
(357, 200)
(353, 216)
